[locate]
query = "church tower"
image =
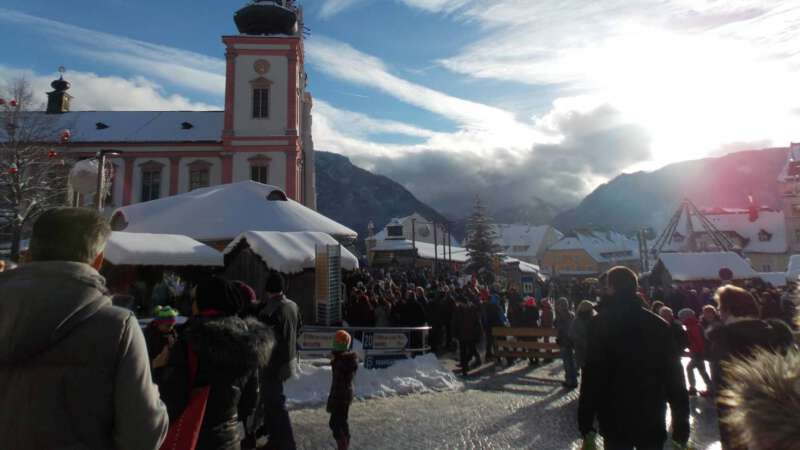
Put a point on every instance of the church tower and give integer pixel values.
(267, 124)
(58, 99)
(790, 190)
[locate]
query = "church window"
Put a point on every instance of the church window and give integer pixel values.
(199, 175)
(151, 181)
(259, 169)
(261, 103)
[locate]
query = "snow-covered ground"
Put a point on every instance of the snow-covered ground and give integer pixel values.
(421, 374)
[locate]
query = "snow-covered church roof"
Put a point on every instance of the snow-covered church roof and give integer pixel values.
(224, 212)
(290, 252)
(134, 126)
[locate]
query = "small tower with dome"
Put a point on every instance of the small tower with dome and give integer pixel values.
(58, 99)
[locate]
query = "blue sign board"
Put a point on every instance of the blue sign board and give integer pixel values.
(382, 361)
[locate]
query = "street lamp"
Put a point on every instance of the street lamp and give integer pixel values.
(101, 156)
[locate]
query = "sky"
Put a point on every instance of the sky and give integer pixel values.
(509, 99)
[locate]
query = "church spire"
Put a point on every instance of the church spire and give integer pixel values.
(58, 99)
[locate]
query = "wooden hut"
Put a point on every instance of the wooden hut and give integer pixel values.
(253, 254)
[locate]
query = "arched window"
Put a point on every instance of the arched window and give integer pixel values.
(261, 87)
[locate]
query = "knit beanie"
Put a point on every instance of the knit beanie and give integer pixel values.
(165, 314)
(341, 341)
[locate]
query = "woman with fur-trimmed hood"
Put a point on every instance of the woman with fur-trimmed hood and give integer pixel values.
(224, 352)
(764, 399)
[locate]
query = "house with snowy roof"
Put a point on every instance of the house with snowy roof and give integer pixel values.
(525, 242)
(262, 134)
(415, 227)
(586, 253)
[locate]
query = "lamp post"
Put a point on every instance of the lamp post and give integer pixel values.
(102, 155)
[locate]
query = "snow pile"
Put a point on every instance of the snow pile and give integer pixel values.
(422, 374)
(142, 249)
(290, 252)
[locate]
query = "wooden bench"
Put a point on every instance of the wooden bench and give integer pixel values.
(526, 343)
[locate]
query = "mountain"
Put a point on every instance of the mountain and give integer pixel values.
(533, 212)
(353, 196)
(648, 199)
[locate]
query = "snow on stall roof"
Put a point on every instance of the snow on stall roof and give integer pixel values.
(424, 249)
(143, 249)
(776, 279)
(290, 252)
(524, 267)
(705, 266)
(138, 126)
(225, 211)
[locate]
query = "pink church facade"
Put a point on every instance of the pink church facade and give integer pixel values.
(263, 133)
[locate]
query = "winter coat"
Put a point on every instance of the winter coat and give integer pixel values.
(632, 372)
(547, 316)
(467, 323)
(579, 336)
(224, 353)
(679, 335)
(695, 336)
(74, 370)
(493, 315)
(282, 315)
(156, 340)
(563, 323)
(343, 370)
(738, 339)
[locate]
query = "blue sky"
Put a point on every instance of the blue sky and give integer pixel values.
(512, 99)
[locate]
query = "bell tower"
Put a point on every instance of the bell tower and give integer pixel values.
(790, 197)
(58, 99)
(266, 135)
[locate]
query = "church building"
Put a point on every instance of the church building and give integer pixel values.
(263, 134)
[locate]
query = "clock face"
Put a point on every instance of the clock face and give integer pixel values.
(261, 66)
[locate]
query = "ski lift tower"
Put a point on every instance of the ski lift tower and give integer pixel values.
(687, 208)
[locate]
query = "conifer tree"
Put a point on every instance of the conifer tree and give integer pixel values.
(481, 242)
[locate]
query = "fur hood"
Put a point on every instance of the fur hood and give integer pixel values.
(230, 344)
(764, 396)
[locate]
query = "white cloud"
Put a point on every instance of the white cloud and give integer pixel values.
(331, 8)
(697, 74)
(180, 67)
(95, 92)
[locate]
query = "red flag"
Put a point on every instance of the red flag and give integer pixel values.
(753, 209)
(184, 432)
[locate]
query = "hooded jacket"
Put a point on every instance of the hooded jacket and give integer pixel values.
(764, 399)
(74, 370)
(229, 352)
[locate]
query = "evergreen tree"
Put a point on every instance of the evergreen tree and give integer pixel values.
(480, 242)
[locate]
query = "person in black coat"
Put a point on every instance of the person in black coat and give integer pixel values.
(632, 372)
(224, 352)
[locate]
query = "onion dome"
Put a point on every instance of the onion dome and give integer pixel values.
(262, 17)
(60, 84)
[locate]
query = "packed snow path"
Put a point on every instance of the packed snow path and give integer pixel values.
(515, 408)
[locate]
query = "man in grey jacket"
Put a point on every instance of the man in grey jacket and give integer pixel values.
(74, 370)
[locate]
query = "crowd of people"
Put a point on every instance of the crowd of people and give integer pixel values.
(79, 372)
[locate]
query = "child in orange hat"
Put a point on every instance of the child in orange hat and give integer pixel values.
(344, 364)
